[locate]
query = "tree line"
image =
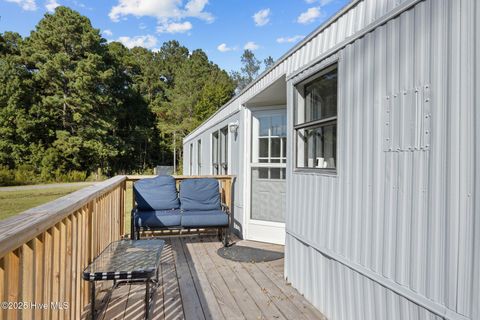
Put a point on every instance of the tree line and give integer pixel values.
(72, 103)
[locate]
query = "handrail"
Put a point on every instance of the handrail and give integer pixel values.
(44, 250)
(25, 226)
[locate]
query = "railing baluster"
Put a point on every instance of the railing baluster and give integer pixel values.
(39, 275)
(56, 239)
(3, 312)
(48, 270)
(12, 279)
(27, 280)
(43, 256)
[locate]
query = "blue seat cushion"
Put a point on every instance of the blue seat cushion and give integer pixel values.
(159, 193)
(200, 219)
(158, 219)
(199, 194)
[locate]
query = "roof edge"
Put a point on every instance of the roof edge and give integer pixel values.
(287, 54)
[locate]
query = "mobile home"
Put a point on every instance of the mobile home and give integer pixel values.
(359, 151)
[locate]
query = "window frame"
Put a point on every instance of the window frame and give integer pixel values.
(215, 153)
(191, 159)
(223, 150)
(199, 156)
(299, 93)
(219, 147)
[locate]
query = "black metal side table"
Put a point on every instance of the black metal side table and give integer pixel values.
(127, 261)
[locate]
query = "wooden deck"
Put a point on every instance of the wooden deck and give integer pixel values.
(196, 283)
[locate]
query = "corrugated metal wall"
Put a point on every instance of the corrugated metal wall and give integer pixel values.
(395, 234)
(394, 229)
(359, 15)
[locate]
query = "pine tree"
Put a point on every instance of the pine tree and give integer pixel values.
(68, 57)
(248, 72)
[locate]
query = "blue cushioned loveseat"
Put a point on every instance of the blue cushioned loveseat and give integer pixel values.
(197, 205)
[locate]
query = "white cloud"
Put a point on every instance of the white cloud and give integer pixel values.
(170, 14)
(28, 5)
(224, 48)
(107, 32)
(147, 41)
(50, 5)
(262, 17)
(142, 26)
(251, 46)
(194, 8)
(290, 39)
(174, 27)
(310, 15)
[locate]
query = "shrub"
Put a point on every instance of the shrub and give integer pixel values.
(7, 176)
(25, 174)
(70, 176)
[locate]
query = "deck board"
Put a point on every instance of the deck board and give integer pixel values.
(196, 283)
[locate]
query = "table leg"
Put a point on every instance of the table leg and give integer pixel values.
(147, 298)
(92, 299)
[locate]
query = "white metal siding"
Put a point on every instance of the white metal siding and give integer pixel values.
(395, 234)
(358, 17)
(404, 218)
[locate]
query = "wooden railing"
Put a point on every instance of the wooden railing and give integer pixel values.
(44, 250)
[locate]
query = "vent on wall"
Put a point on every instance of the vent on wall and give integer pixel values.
(408, 120)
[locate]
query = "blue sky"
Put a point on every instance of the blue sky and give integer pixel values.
(222, 28)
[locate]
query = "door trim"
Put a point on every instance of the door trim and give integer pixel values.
(258, 230)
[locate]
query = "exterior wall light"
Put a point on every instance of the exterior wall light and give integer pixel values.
(233, 126)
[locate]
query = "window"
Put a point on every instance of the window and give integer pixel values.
(199, 157)
(316, 121)
(191, 159)
(271, 146)
(220, 151)
(215, 164)
(224, 150)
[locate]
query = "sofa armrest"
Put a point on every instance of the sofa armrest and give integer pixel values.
(225, 208)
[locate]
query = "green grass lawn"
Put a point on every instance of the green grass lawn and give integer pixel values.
(14, 202)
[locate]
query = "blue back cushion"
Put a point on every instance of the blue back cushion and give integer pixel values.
(199, 194)
(158, 193)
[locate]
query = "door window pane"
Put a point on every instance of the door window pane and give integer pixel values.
(263, 173)
(278, 126)
(275, 147)
(264, 126)
(263, 147)
(275, 173)
(271, 140)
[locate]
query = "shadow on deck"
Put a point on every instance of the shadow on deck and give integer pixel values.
(196, 283)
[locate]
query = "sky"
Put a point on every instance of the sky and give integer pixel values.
(222, 28)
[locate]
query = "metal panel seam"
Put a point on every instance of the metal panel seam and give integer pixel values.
(408, 294)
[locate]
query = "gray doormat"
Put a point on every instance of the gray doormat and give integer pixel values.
(248, 254)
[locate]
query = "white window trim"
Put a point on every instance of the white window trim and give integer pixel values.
(219, 140)
(298, 102)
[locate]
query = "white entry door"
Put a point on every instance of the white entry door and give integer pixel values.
(268, 172)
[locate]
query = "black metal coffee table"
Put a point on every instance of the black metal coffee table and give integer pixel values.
(128, 261)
